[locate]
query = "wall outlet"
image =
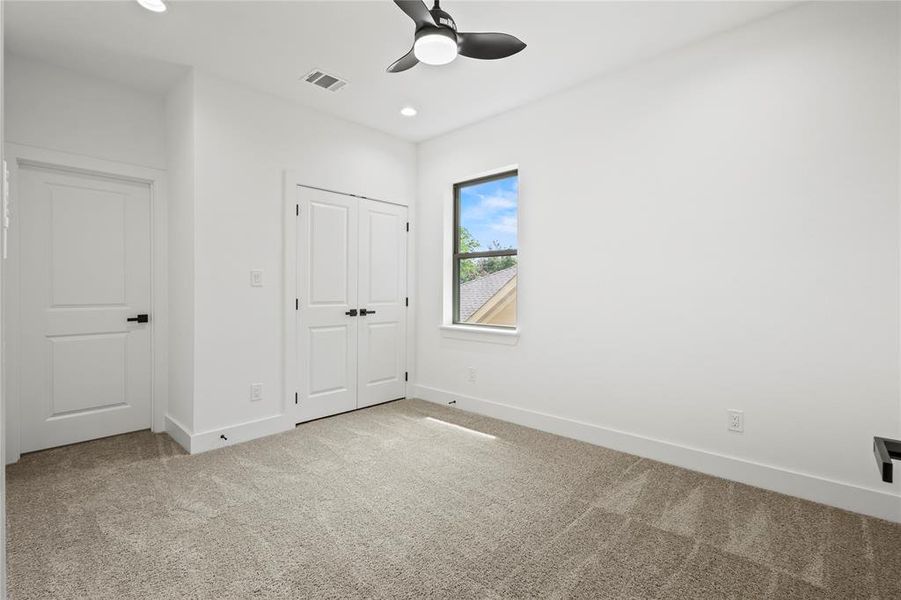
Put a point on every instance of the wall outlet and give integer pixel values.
(736, 421)
(473, 375)
(256, 278)
(256, 392)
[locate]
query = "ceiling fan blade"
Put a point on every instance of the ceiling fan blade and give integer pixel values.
(418, 11)
(488, 46)
(407, 61)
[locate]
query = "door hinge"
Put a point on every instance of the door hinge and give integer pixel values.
(408, 226)
(407, 302)
(295, 397)
(297, 304)
(297, 209)
(406, 376)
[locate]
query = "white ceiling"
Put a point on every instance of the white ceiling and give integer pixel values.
(269, 45)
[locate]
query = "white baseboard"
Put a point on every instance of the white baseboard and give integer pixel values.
(179, 433)
(809, 487)
(195, 443)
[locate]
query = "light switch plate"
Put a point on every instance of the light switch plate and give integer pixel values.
(256, 278)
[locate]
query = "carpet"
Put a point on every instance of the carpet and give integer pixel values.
(398, 501)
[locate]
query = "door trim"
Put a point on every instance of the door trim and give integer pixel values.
(293, 182)
(32, 156)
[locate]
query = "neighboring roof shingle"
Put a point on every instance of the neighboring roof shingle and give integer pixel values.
(474, 294)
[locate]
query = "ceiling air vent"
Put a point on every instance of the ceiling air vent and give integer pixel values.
(318, 77)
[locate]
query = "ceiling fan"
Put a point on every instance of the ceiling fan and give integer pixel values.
(437, 41)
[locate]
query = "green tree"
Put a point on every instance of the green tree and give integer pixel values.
(473, 268)
(493, 264)
(468, 243)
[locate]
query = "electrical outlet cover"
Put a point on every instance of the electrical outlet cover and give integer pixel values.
(736, 421)
(256, 392)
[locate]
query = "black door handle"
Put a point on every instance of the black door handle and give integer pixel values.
(139, 319)
(364, 312)
(352, 312)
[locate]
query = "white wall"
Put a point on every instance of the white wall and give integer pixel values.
(226, 148)
(180, 133)
(244, 143)
(55, 108)
(716, 228)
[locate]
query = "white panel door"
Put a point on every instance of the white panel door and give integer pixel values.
(85, 269)
(327, 298)
(382, 331)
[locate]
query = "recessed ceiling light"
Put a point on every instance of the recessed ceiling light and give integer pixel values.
(408, 111)
(157, 6)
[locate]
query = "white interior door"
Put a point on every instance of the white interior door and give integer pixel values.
(327, 297)
(382, 331)
(351, 258)
(85, 269)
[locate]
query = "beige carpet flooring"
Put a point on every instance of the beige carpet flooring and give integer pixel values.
(389, 503)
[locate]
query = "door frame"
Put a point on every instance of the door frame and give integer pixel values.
(293, 182)
(20, 155)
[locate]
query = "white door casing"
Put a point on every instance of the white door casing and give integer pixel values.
(382, 333)
(85, 266)
(350, 255)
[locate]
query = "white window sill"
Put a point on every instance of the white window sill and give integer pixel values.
(475, 333)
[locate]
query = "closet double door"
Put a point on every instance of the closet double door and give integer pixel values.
(351, 302)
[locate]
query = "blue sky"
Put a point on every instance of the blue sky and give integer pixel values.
(488, 211)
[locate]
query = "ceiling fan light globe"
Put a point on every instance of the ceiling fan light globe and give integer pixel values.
(435, 49)
(157, 6)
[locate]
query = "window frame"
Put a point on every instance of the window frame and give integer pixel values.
(457, 256)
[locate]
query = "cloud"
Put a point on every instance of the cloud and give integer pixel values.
(506, 224)
(501, 200)
(489, 210)
(489, 205)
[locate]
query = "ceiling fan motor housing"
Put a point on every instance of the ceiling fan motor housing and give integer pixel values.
(442, 19)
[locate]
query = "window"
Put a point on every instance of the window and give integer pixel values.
(485, 243)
